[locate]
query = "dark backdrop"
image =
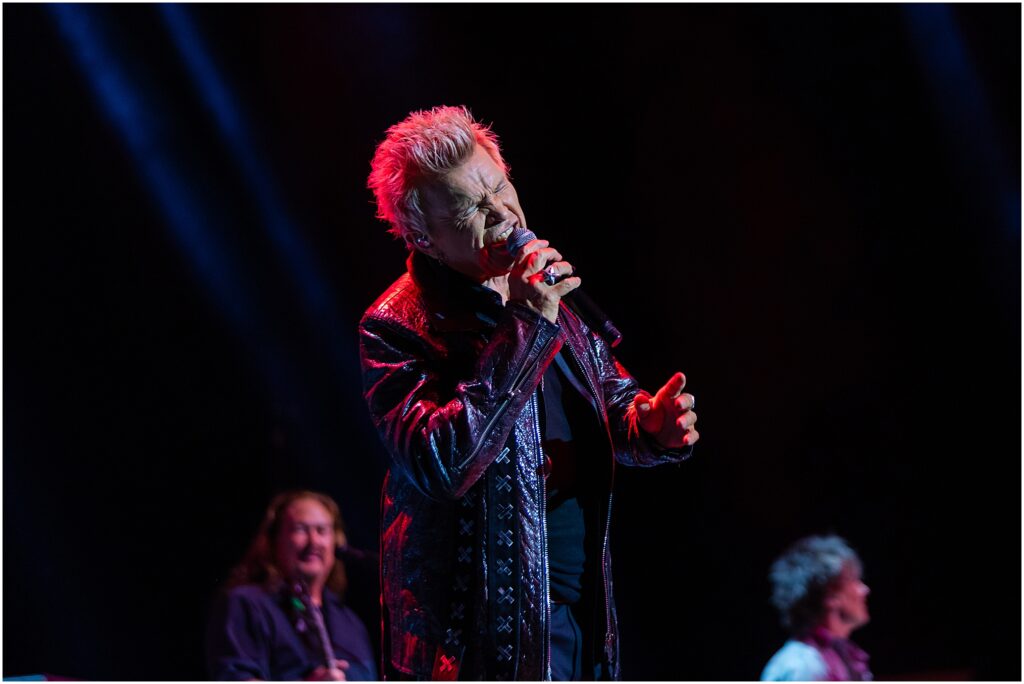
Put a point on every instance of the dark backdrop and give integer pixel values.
(813, 211)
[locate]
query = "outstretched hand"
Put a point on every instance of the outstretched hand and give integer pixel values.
(668, 416)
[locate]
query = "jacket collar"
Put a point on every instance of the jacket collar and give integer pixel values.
(453, 301)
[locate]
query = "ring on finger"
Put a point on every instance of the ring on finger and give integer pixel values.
(551, 276)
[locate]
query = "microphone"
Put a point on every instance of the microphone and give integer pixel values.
(577, 300)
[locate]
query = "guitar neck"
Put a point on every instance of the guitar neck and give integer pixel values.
(326, 650)
(303, 601)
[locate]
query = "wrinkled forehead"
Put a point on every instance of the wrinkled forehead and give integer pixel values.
(444, 191)
(476, 171)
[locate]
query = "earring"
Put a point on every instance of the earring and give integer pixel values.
(423, 243)
(417, 239)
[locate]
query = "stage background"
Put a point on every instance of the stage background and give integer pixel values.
(813, 211)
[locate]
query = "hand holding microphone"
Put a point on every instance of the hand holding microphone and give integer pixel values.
(541, 278)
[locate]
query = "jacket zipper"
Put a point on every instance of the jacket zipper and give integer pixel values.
(544, 537)
(500, 410)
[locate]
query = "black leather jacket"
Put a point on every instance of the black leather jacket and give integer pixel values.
(451, 377)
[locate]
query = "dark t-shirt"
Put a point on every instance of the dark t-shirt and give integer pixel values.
(565, 519)
(251, 636)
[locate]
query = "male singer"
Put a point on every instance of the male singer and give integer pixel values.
(504, 416)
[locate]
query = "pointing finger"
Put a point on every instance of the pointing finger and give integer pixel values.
(671, 389)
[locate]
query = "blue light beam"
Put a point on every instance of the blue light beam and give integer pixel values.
(318, 304)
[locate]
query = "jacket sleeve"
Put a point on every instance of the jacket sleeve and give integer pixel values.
(443, 437)
(633, 446)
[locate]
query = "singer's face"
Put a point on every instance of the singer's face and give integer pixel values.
(304, 548)
(470, 213)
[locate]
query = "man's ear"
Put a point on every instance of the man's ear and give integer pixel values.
(421, 242)
(831, 601)
(416, 239)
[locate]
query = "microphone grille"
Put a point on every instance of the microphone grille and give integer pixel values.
(518, 239)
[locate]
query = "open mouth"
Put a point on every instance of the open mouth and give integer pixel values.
(503, 236)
